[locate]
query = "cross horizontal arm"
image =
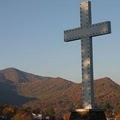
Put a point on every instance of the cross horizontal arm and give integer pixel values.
(88, 31)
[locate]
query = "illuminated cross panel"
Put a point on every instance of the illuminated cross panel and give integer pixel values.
(85, 33)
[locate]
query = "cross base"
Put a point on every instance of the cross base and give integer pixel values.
(88, 114)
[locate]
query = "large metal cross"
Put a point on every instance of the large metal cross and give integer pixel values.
(85, 33)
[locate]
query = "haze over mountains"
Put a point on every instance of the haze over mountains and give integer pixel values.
(22, 88)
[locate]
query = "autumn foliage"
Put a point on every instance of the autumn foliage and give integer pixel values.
(16, 113)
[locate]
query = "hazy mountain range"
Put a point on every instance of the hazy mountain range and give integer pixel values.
(22, 88)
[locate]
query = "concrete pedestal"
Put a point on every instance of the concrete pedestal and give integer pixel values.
(88, 114)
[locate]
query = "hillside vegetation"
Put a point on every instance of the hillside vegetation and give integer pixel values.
(22, 88)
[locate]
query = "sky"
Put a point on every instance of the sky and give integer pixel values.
(32, 38)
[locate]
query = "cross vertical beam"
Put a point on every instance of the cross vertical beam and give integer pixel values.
(86, 55)
(85, 33)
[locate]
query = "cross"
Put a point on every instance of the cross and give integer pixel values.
(85, 33)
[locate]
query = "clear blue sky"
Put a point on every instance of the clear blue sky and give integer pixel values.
(32, 38)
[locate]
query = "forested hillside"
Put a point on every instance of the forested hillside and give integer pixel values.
(22, 88)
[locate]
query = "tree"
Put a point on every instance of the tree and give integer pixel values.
(118, 116)
(50, 111)
(108, 110)
(9, 111)
(23, 114)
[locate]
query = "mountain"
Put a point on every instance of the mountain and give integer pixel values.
(16, 75)
(22, 88)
